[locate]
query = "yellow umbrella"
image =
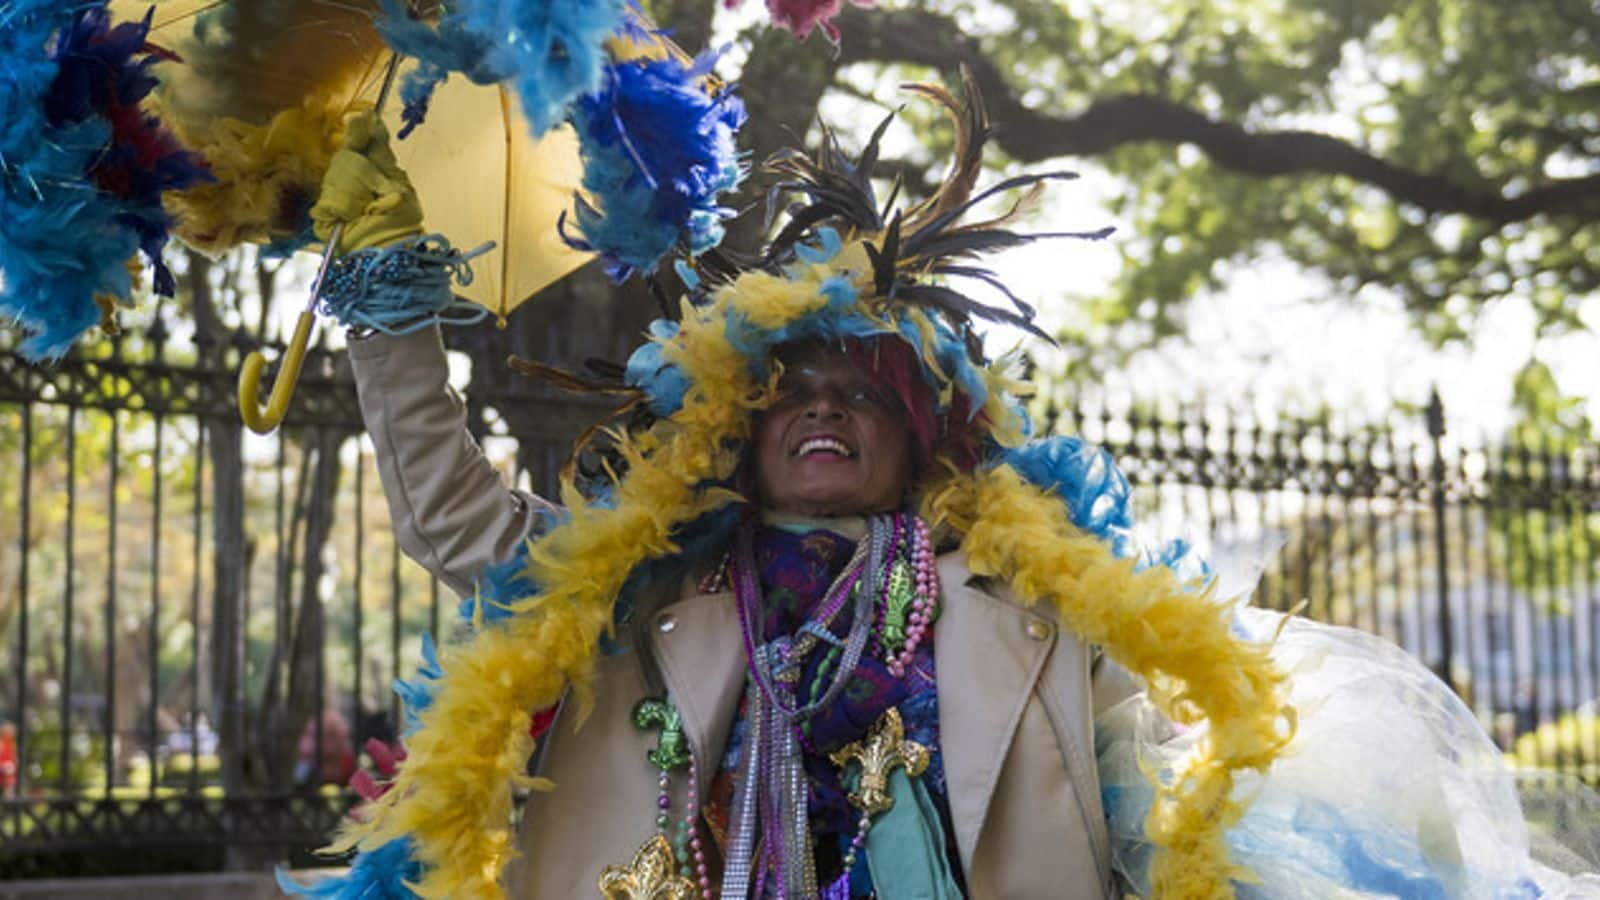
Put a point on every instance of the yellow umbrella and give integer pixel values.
(479, 174)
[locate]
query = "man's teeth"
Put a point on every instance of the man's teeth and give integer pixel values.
(823, 445)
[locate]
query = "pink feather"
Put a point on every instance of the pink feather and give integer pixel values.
(800, 16)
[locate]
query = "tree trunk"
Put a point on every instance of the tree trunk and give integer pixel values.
(580, 317)
(225, 445)
(307, 693)
(227, 609)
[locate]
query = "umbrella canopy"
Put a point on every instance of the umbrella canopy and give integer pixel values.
(481, 177)
(479, 173)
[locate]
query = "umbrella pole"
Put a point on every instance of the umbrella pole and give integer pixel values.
(264, 420)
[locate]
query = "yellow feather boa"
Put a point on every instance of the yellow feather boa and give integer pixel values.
(1177, 640)
(452, 797)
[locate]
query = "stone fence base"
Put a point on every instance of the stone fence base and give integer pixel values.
(230, 886)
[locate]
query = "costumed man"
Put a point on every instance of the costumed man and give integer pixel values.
(825, 623)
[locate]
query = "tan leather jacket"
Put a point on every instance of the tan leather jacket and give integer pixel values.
(1017, 695)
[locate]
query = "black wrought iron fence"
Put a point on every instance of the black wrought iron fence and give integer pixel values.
(1478, 558)
(200, 625)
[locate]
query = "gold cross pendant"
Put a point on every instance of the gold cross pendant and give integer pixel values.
(884, 747)
(649, 877)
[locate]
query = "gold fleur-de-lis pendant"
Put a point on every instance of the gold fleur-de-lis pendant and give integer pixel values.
(650, 876)
(884, 747)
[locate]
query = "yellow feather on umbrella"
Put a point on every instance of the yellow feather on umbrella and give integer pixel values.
(261, 95)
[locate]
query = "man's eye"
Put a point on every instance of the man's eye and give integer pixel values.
(869, 398)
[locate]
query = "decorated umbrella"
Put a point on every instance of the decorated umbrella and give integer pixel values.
(261, 95)
(268, 83)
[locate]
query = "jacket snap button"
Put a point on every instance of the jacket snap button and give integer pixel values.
(666, 624)
(1038, 630)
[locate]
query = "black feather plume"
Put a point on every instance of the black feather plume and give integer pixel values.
(915, 251)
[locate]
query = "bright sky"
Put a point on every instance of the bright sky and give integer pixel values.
(1276, 337)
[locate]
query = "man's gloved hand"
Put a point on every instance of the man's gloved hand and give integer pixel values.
(366, 189)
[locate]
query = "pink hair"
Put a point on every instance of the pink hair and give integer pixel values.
(894, 364)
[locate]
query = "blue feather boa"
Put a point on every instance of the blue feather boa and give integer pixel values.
(81, 169)
(550, 51)
(1098, 499)
(658, 150)
(384, 873)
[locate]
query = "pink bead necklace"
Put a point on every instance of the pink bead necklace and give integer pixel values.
(924, 598)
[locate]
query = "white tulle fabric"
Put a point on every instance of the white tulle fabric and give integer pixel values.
(1390, 789)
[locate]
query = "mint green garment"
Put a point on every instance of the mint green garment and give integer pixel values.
(905, 847)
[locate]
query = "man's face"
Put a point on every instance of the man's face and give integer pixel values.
(833, 443)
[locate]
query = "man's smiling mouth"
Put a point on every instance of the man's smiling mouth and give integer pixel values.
(823, 444)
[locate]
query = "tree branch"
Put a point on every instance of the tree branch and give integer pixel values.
(687, 21)
(921, 38)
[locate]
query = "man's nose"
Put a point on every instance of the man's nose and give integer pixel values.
(825, 403)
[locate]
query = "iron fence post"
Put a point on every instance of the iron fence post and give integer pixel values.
(1446, 664)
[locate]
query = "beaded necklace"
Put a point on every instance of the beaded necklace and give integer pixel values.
(771, 788)
(747, 590)
(894, 585)
(892, 582)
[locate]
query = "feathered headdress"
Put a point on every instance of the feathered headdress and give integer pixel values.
(1049, 517)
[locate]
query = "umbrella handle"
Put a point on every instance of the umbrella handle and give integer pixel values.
(265, 420)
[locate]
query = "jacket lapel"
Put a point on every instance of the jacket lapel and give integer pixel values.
(700, 651)
(989, 654)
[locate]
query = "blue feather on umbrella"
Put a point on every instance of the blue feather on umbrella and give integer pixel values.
(659, 148)
(550, 51)
(105, 71)
(82, 169)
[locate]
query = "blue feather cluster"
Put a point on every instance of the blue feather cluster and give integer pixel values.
(1098, 498)
(381, 874)
(663, 383)
(417, 695)
(1086, 478)
(550, 51)
(59, 244)
(105, 71)
(82, 170)
(658, 149)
